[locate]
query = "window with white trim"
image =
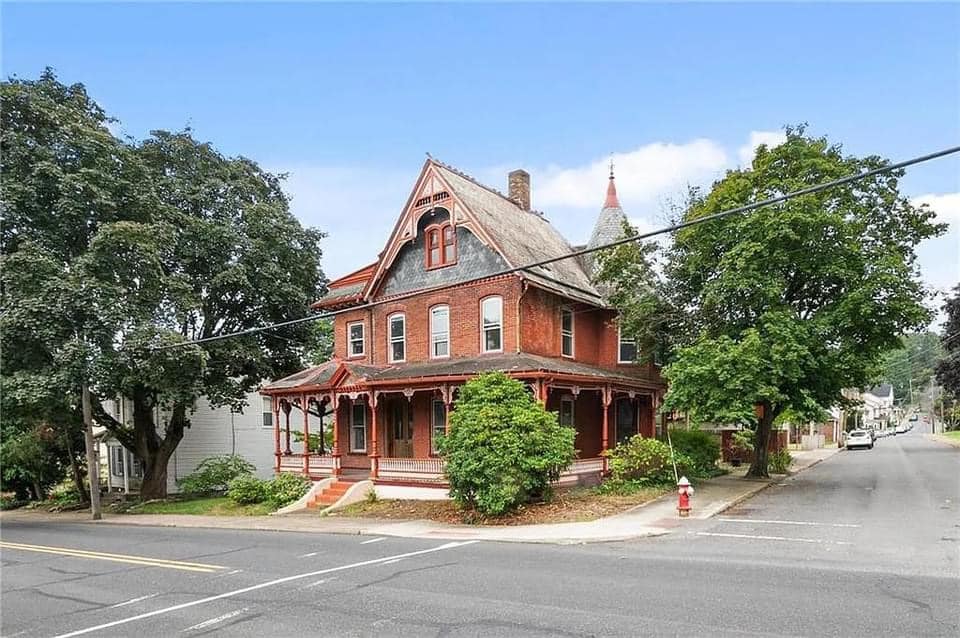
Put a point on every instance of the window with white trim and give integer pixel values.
(566, 411)
(355, 341)
(116, 460)
(627, 351)
(358, 427)
(438, 423)
(397, 336)
(566, 332)
(491, 318)
(267, 412)
(440, 332)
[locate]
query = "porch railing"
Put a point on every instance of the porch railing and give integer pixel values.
(584, 466)
(427, 470)
(320, 464)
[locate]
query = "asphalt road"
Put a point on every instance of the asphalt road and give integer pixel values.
(863, 544)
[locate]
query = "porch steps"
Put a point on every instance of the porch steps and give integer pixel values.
(331, 494)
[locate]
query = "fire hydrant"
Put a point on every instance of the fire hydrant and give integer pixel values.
(684, 492)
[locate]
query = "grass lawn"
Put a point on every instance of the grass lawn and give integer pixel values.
(206, 506)
(955, 435)
(568, 506)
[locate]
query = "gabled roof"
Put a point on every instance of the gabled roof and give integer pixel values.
(881, 391)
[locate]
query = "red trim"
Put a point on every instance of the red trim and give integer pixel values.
(439, 231)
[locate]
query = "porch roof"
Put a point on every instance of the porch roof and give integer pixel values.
(325, 375)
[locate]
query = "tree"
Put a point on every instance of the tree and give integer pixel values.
(504, 448)
(160, 242)
(948, 368)
(916, 361)
(783, 307)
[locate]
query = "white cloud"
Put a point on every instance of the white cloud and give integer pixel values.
(643, 175)
(939, 258)
(946, 206)
(770, 138)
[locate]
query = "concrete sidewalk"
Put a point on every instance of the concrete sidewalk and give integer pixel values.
(651, 519)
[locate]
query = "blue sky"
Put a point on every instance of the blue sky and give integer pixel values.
(348, 98)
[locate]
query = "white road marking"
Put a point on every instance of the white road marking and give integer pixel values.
(775, 538)
(133, 600)
(218, 619)
(775, 522)
(309, 555)
(318, 582)
(236, 571)
(373, 540)
(391, 562)
(269, 583)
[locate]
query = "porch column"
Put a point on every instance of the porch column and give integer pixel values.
(335, 424)
(126, 469)
(286, 410)
(544, 392)
(637, 404)
(447, 395)
(276, 433)
(374, 453)
(606, 396)
(306, 434)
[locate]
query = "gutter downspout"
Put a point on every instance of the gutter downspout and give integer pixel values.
(524, 286)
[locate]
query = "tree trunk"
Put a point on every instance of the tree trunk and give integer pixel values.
(75, 472)
(155, 452)
(758, 469)
(154, 483)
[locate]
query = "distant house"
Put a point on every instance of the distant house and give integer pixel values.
(212, 432)
(446, 311)
(878, 404)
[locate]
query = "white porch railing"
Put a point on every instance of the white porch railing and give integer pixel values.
(320, 464)
(426, 470)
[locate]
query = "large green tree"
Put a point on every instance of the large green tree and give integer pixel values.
(948, 368)
(912, 366)
(780, 308)
(161, 242)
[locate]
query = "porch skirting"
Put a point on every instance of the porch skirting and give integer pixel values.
(428, 471)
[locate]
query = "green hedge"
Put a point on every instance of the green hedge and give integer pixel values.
(701, 447)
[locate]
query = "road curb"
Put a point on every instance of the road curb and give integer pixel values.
(942, 439)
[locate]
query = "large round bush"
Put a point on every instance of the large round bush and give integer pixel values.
(701, 447)
(504, 448)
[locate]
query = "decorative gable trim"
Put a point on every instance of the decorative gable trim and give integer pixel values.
(430, 191)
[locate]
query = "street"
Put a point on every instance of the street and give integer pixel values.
(863, 544)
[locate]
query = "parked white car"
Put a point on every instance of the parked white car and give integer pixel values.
(859, 438)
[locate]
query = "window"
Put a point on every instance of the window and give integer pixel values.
(440, 332)
(566, 411)
(355, 343)
(398, 338)
(267, 412)
(358, 427)
(441, 244)
(116, 460)
(627, 350)
(438, 423)
(566, 332)
(491, 313)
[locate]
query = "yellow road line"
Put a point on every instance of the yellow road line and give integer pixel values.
(118, 558)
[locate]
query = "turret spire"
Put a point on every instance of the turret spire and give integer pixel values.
(612, 201)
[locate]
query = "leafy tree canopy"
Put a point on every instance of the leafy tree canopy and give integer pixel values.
(916, 360)
(783, 307)
(948, 368)
(115, 248)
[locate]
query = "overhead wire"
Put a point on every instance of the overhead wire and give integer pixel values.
(584, 251)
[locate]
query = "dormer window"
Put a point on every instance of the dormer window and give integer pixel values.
(441, 244)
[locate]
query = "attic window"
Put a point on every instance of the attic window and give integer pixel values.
(441, 196)
(441, 245)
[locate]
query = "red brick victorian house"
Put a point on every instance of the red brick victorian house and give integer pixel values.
(442, 312)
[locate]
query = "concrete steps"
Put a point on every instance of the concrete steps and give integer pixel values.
(331, 494)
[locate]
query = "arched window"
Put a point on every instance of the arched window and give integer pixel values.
(491, 321)
(439, 332)
(441, 245)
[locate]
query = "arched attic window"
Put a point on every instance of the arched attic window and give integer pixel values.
(441, 245)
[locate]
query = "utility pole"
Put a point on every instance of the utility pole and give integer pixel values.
(93, 467)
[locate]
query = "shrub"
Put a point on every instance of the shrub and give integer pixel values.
(744, 439)
(286, 488)
(504, 448)
(646, 461)
(247, 489)
(778, 462)
(701, 447)
(215, 473)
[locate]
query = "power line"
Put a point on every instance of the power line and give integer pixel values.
(586, 251)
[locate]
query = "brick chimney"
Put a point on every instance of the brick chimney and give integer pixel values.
(519, 188)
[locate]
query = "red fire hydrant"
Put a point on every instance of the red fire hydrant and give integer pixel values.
(684, 492)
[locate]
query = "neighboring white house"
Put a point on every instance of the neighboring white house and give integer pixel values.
(878, 404)
(212, 432)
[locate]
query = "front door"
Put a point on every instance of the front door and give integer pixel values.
(401, 429)
(626, 420)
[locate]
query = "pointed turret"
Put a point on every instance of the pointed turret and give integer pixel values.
(609, 226)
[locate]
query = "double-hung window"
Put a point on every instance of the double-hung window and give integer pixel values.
(566, 332)
(441, 246)
(440, 332)
(355, 341)
(398, 338)
(267, 412)
(117, 460)
(627, 352)
(491, 318)
(438, 423)
(358, 427)
(566, 411)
